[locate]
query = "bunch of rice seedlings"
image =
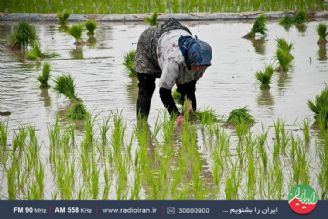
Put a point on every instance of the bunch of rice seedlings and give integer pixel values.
(152, 20)
(264, 77)
(322, 32)
(129, 63)
(300, 18)
(23, 36)
(283, 55)
(240, 116)
(176, 95)
(77, 111)
(91, 26)
(283, 45)
(44, 77)
(76, 32)
(65, 86)
(259, 26)
(63, 17)
(35, 52)
(206, 116)
(286, 21)
(320, 108)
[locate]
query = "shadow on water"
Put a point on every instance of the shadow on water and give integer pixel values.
(77, 53)
(322, 52)
(259, 45)
(45, 97)
(265, 98)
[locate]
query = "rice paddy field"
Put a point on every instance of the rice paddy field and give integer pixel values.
(171, 6)
(109, 155)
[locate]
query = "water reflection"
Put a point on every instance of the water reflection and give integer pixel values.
(77, 53)
(45, 97)
(132, 89)
(283, 80)
(63, 28)
(265, 98)
(301, 28)
(322, 52)
(91, 41)
(259, 45)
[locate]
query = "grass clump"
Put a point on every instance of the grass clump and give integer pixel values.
(300, 18)
(76, 32)
(77, 111)
(240, 116)
(23, 36)
(91, 25)
(128, 62)
(283, 55)
(264, 77)
(284, 45)
(35, 52)
(44, 77)
(63, 17)
(286, 21)
(65, 85)
(320, 108)
(259, 26)
(206, 116)
(152, 20)
(322, 32)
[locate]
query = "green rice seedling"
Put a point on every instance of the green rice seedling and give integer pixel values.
(259, 26)
(240, 116)
(319, 107)
(284, 45)
(264, 77)
(152, 20)
(121, 184)
(206, 116)
(286, 22)
(104, 130)
(306, 131)
(35, 52)
(232, 184)
(300, 167)
(118, 133)
(12, 180)
(261, 150)
(44, 77)
(128, 62)
(77, 111)
(322, 32)
(76, 32)
(65, 85)
(91, 25)
(176, 95)
(63, 17)
(323, 155)
(105, 194)
(300, 18)
(23, 36)
(251, 178)
(284, 59)
(3, 142)
(94, 181)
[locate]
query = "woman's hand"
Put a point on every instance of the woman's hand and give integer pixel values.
(179, 120)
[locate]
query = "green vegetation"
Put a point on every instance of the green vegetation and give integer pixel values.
(23, 36)
(206, 116)
(63, 17)
(299, 18)
(176, 95)
(91, 25)
(35, 52)
(152, 20)
(259, 26)
(44, 77)
(286, 21)
(320, 108)
(240, 116)
(283, 55)
(76, 32)
(77, 111)
(65, 86)
(143, 6)
(322, 32)
(264, 77)
(128, 62)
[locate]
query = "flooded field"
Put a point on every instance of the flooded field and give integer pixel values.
(104, 85)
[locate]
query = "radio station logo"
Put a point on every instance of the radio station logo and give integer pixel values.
(302, 199)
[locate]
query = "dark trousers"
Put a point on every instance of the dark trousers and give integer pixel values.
(146, 87)
(188, 90)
